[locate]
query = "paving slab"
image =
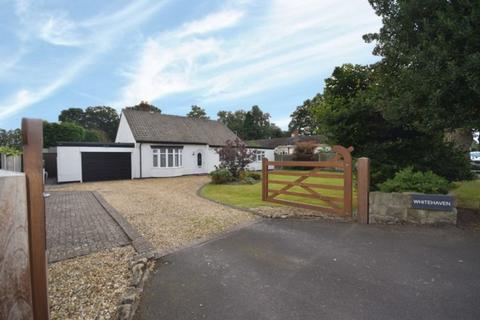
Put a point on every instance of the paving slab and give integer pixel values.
(78, 224)
(291, 269)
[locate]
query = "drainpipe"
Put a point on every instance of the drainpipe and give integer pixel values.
(140, 148)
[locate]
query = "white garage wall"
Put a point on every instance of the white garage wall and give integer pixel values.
(69, 161)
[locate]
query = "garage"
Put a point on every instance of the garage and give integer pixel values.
(99, 166)
(85, 162)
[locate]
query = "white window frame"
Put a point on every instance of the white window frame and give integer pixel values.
(166, 152)
(259, 155)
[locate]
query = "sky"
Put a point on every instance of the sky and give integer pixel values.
(220, 55)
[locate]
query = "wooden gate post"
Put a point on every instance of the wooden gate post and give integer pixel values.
(264, 179)
(32, 130)
(363, 188)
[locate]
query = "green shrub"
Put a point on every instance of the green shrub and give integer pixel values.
(221, 176)
(248, 180)
(9, 151)
(250, 174)
(415, 181)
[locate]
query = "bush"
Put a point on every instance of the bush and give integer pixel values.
(221, 176)
(250, 174)
(9, 151)
(305, 151)
(234, 156)
(415, 181)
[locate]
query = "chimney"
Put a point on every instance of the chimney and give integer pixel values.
(294, 133)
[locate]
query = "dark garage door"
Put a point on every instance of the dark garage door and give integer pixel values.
(98, 166)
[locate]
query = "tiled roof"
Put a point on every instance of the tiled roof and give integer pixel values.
(161, 128)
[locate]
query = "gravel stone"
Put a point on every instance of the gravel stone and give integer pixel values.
(166, 211)
(89, 287)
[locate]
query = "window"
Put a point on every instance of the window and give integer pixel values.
(258, 155)
(199, 159)
(167, 157)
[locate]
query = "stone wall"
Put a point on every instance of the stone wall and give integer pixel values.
(392, 208)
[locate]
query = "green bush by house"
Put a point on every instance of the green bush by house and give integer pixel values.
(415, 181)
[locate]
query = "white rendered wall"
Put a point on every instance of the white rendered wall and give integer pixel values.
(69, 161)
(257, 165)
(124, 134)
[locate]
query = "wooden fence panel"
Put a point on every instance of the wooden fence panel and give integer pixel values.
(15, 281)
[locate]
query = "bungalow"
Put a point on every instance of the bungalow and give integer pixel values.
(150, 144)
(286, 145)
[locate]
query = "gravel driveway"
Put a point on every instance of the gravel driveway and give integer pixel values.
(166, 211)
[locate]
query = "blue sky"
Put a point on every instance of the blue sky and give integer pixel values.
(221, 55)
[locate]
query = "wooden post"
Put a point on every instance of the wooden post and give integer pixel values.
(15, 282)
(363, 186)
(32, 130)
(264, 179)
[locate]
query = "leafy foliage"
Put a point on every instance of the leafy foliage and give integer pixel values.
(415, 181)
(429, 74)
(302, 119)
(197, 113)
(11, 138)
(221, 176)
(97, 118)
(304, 151)
(145, 106)
(234, 157)
(348, 115)
(249, 176)
(9, 151)
(61, 132)
(250, 125)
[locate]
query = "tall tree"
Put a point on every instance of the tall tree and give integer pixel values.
(348, 115)
(253, 124)
(302, 119)
(11, 138)
(430, 67)
(53, 133)
(234, 121)
(102, 118)
(145, 106)
(73, 115)
(197, 113)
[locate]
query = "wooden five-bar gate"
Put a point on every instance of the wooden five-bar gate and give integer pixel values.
(340, 167)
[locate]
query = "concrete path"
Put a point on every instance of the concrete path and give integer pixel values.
(291, 269)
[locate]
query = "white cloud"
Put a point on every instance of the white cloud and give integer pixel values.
(286, 43)
(217, 21)
(60, 31)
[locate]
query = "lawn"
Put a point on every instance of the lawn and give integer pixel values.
(249, 195)
(468, 194)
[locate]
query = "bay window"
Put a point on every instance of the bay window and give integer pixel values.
(167, 157)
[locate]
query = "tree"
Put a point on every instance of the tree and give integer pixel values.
(11, 138)
(253, 124)
(234, 157)
(72, 115)
(348, 115)
(102, 118)
(53, 133)
(429, 74)
(145, 106)
(99, 118)
(197, 113)
(234, 121)
(305, 151)
(302, 119)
